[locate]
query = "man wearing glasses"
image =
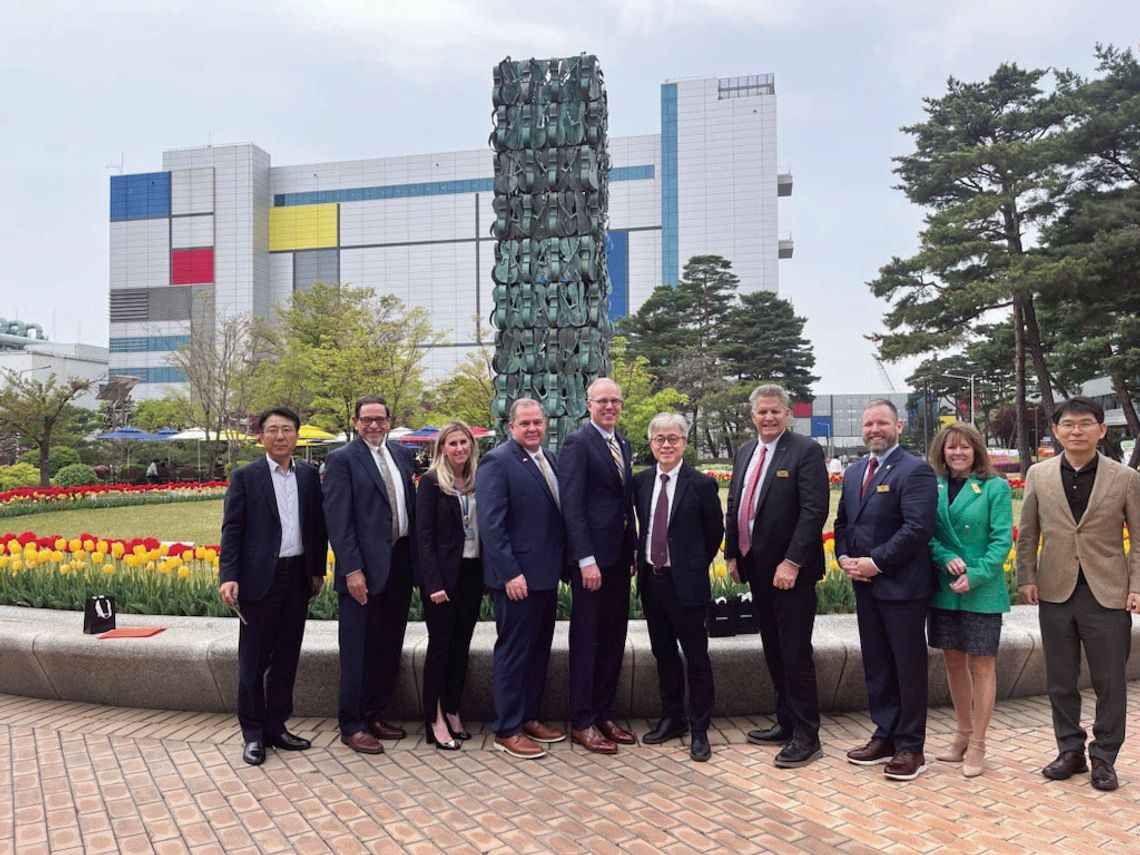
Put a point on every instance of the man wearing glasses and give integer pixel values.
(1076, 505)
(594, 470)
(681, 528)
(369, 507)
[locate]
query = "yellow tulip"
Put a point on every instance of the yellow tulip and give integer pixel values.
(64, 569)
(74, 545)
(3, 561)
(89, 545)
(212, 555)
(139, 549)
(117, 549)
(721, 571)
(57, 556)
(14, 546)
(199, 552)
(80, 554)
(102, 545)
(60, 543)
(183, 572)
(164, 550)
(108, 569)
(188, 555)
(97, 557)
(150, 566)
(32, 561)
(165, 569)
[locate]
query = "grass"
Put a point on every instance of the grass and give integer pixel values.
(187, 522)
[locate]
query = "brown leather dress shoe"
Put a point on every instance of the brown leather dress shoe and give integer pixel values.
(1067, 764)
(592, 740)
(362, 742)
(383, 730)
(519, 746)
(540, 732)
(905, 766)
(1103, 775)
(875, 751)
(615, 733)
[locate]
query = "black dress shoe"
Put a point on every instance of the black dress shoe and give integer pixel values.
(1067, 764)
(1103, 775)
(666, 729)
(798, 753)
(254, 752)
(774, 735)
(699, 748)
(288, 741)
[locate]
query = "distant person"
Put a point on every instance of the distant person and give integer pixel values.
(152, 472)
(680, 534)
(835, 466)
(520, 524)
(973, 533)
(272, 561)
(1075, 508)
(882, 536)
(450, 577)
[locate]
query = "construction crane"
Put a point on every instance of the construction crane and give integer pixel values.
(883, 375)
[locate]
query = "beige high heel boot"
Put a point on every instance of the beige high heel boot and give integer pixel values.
(957, 749)
(975, 759)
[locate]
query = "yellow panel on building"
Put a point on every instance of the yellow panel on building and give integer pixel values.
(303, 226)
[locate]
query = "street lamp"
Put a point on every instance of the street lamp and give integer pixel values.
(972, 398)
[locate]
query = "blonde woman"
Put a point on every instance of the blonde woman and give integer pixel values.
(973, 534)
(450, 576)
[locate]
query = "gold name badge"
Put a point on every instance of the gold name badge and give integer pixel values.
(782, 473)
(883, 488)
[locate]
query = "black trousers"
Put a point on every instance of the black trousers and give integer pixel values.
(1106, 635)
(598, 623)
(372, 643)
(787, 619)
(892, 635)
(450, 626)
(669, 622)
(269, 647)
(522, 654)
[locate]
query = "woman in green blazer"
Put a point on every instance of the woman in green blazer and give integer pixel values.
(973, 534)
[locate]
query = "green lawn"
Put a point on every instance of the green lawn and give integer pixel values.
(188, 522)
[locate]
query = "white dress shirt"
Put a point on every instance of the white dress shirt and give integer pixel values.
(771, 446)
(670, 491)
(392, 471)
(288, 507)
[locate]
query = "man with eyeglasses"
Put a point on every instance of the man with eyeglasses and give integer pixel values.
(596, 474)
(370, 506)
(681, 529)
(777, 505)
(272, 561)
(1085, 586)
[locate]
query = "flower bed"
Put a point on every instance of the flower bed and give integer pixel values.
(33, 500)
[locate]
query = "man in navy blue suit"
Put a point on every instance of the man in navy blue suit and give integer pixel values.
(370, 507)
(882, 534)
(272, 562)
(681, 529)
(596, 481)
(517, 502)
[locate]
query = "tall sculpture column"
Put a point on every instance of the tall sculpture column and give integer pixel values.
(551, 293)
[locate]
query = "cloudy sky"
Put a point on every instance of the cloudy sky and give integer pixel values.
(87, 85)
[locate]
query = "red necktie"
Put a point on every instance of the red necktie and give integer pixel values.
(659, 540)
(871, 467)
(747, 513)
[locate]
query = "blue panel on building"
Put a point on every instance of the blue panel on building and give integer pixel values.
(821, 426)
(153, 374)
(670, 266)
(148, 344)
(140, 197)
(617, 264)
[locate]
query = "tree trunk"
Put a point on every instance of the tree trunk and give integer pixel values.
(45, 465)
(1019, 393)
(1033, 340)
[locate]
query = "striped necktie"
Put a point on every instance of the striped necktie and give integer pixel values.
(615, 453)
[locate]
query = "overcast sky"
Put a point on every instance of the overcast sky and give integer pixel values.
(86, 84)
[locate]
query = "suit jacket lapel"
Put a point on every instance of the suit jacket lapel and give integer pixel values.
(684, 477)
(527, 462)
(603, 448)
(265, 476)
(970, 492)
(773, 467)
(881, 474)
(1105, 474)
(368, 460)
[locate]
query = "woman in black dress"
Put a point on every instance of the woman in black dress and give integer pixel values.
(450, 578)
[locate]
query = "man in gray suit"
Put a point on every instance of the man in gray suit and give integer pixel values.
(1077, 505)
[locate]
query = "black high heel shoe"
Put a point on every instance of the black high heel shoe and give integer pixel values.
(429, 738)
(461, 734)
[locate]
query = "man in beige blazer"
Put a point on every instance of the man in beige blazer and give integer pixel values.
(1076, 505)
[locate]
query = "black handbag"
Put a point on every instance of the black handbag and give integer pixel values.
(747, 620)
(721, 621)
(98, 614)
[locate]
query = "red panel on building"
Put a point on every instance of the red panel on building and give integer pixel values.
(802, 409)
(192, 267)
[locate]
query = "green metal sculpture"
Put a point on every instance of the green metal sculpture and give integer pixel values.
(551, 293)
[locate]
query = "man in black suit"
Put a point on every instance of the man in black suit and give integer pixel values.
(681, 528)
(272, 562)
(370, 509)
(882, 537)
(596, 478)
(517, 496)
(777, 506)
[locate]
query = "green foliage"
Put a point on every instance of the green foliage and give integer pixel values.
(466, 394)
(762, 341)
(19, 475)
(39, 411)
(58, 457)
(170, 411)
(632, 374)
(76, 475)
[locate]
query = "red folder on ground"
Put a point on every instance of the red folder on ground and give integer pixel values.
(133, 632)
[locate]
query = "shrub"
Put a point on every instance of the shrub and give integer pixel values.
(19, 475)
(58, 457)
(76, 475)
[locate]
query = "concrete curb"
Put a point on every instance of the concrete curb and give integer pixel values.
(193, 666)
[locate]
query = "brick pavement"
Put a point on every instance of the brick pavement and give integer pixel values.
(77, 778)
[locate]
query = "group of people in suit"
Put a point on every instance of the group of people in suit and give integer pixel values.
(924, 544)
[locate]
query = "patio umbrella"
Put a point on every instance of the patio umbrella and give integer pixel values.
(424, 434)
(308, 433)
(129, 434)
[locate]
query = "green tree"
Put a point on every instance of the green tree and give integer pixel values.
(467, 393)
(170, 411)
(986, 166)
(762, 340)
(39, 411)
(642, 403)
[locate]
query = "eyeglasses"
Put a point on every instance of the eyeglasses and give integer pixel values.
(617, 402)
(667, 439)
(1084, 424)
(379, 421)
(285, 431)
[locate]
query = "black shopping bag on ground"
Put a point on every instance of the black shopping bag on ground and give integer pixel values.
(747, 620)
(98, 614)
(721, 618)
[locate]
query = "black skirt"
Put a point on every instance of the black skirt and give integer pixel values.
(970, 632)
